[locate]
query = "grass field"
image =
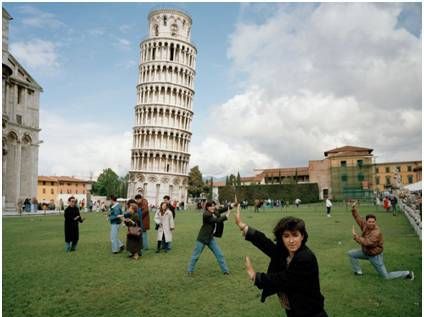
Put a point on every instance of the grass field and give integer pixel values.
(40, 279)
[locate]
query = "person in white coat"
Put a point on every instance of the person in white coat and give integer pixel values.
(165, 225)
(328, 204)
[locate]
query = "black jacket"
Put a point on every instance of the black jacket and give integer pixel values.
(300, 280)
(211, 222)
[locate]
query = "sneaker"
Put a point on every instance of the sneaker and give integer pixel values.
(226, 273)
(410, 276)
(359, 273)
(122, 248)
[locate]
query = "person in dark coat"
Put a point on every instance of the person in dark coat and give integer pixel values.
(167, 199)
(213, 226)
(293, 271)
(72, 220)
(134, 238)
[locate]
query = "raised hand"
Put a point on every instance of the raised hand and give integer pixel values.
(249, 269)
(353, 230)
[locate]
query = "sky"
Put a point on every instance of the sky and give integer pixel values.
(276, 85)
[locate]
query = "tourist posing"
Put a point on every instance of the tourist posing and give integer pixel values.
(115, 218)
(293, 270)
(72, 220)
(167, 200)
(212, 226)
(143, 209)
(134, 235)
(371, 241)
(165, 225)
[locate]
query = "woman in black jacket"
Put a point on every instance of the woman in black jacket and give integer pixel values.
(72, 219)
(293, 271)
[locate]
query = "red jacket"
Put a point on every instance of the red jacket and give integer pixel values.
(144, 205)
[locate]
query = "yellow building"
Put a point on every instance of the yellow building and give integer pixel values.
(56, 187)
(394, 175)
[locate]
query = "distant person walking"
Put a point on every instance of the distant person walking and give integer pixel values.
(386, 204)
(72, 220)
(393, 202)
(115, 218)
(371, 241)
(212, 226)
(328, 204)
(297, 202)
(143, 209)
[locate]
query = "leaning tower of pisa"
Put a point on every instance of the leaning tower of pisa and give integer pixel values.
(163, 113)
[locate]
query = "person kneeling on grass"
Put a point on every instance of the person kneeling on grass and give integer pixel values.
(293, 271)
(371, 242)
(213, 226)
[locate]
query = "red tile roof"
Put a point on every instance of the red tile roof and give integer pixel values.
(348, 148)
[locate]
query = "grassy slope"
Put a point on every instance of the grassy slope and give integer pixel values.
(39, 279)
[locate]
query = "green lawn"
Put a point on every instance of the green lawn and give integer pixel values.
(40, 279)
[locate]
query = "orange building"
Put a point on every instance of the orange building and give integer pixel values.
(51, 187)
(394, 175)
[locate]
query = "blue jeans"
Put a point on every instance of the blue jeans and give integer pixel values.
(71, 246)
(214, 247)
(378, 263)
(145, 240)
(114, 237)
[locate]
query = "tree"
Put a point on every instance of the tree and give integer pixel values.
(227, 181)
(238, 180)
(107, 183)
(196, 186)
(123, 186)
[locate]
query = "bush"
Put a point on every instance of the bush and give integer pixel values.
(307, 193)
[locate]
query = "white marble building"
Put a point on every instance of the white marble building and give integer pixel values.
(163, 113)
(20, 128)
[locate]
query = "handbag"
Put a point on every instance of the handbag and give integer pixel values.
(134, 231)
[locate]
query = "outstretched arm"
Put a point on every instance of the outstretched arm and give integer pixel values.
(257, 238)
(355, 213)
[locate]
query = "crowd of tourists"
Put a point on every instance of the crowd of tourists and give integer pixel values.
(292, 274)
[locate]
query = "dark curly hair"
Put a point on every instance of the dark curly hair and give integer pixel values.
(291, 224)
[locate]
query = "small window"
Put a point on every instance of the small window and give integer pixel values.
(410, 178)
(409, 168)
(76, 185)
(51, 183)
(164, 20)
(76, 192)
(18, 119)
(360, 177)
(343, 163)
(61, 184)
(344, 178)
(377, 180)
(388, 180)
(69, 184)
(83, 185)
(398, 169)
(44, 183)
(387, 169)
(156, 28)
(44, 190)
(360, 163)
(52, 191)
(376, 170)
(20, 94)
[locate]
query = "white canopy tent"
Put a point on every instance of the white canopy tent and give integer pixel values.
(414, 187)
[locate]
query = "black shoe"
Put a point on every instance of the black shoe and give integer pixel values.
(359, 273)
(410, 276)
(115, 252)
(226, 273)
(122, 248)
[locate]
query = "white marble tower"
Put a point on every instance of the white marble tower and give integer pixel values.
(163, 113)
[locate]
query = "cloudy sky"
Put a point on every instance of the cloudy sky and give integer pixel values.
(276, 85)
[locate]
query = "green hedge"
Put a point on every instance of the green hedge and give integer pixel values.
(307, 192)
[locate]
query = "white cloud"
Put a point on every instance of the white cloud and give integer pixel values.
(75, 147)
(317, 78)
(219, 158)
(37, 18)
(126, 27)
(36, 53)
(96, 32)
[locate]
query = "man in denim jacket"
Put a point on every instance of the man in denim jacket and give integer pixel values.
(115, 218)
